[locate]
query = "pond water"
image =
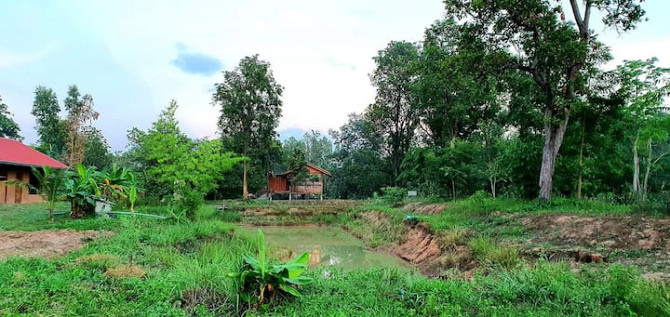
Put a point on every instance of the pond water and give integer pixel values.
(326, 246)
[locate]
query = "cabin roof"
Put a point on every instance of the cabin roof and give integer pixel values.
(13, 152)
(310, 165)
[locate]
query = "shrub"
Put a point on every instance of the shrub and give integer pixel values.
(260, 282)
(393, 195)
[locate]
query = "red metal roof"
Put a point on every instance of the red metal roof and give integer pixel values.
(16, 153)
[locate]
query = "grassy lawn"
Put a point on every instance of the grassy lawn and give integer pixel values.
(163, 268)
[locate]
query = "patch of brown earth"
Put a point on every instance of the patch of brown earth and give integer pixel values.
(423, 208)
(376, 218)
(418, 245)
(436, 255)
(608, 233)
(45, 243)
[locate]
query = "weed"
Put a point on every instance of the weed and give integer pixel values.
(125, 271)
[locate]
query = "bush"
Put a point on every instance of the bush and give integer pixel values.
(393, 195)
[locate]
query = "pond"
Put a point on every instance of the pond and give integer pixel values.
(326, 246)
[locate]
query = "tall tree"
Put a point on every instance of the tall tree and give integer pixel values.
(173, 164)
(357, 166)
(8, 127)
(51, 129)
(455, 88)
(393, 112)
(644, 87)
(318, 148)
(80, 116)
(250, 101)
(96, 149)
(558, 54)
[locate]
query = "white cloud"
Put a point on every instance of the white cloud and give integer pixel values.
(321, 51)
(12, 59)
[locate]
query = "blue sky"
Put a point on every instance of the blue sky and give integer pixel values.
(133, 57)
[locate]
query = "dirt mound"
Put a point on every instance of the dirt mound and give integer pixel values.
(418, 245)
(423, 208)
(609, 233)
(46, 243)
(376, 218)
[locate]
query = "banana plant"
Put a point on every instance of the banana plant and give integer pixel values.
(51, 185)
(81, 189)
(261, 282)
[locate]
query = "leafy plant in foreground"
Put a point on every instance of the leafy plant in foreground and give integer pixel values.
(261, 282)
(81, 190)
(51, 185)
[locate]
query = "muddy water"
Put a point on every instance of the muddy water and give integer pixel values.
(326, 246)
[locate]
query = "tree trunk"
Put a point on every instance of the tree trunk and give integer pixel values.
(645, 188)
(493, 187)
(581, 167)
(553, 138)
(636, 166)
(245, 192)
(51, 211)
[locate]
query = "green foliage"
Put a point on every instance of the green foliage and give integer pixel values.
(250, 101)
(392, 113)
(52, 131)
(260, 282)
(490, 254)
(81, 190)
(358, 168)
(8, 127)
(51, 186)
(186, 264)
(96, 149)
(393, 195)
(173, 166)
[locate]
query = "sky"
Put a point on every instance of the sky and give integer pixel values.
(133, 57)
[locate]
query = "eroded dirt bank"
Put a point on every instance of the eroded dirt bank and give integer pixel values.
(45, 243)
(628, 240)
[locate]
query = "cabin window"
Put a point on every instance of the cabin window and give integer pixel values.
(3, 174)
(34, 185)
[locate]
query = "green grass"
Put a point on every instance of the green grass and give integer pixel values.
(185, 266)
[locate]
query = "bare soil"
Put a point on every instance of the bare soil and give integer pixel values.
(605, 233)
(423, 208)
(45, 243)
(628, 240)
(420, 247)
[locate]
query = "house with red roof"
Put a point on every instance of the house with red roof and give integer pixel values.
(16, 163)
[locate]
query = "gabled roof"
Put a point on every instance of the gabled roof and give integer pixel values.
(310, 165)
(323, 171)
(16, 153)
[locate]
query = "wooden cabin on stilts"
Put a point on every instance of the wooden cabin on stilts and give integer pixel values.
(285, 183)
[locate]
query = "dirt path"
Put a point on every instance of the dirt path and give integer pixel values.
(46, 243)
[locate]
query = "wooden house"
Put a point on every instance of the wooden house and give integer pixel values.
(16, 163)
(283, 183)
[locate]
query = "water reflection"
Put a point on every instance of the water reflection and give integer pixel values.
(326, 246)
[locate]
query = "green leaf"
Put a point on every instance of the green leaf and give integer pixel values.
(300, 280)
(252, 262)
(261, 253)
(297, 265)
(290, 290)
